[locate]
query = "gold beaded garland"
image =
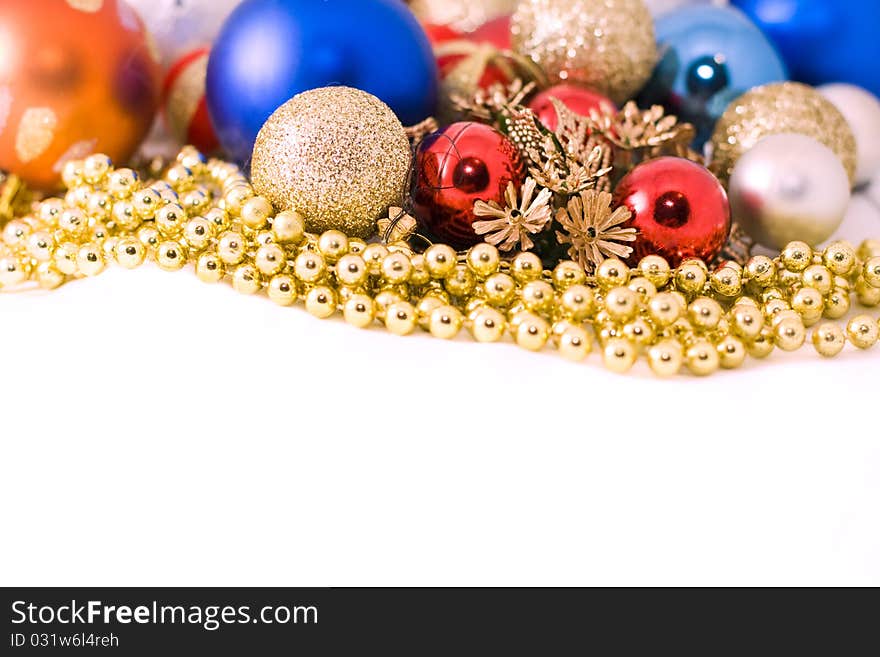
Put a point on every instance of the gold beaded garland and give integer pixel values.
(689, 316)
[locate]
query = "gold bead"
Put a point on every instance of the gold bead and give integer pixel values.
(219, 219)
(401, 318)
(373, 255)
(574, 343)
(862, 331)
(611, 273)
(321, 302)
(691, 277)
(532, 331)
(761, 270)
(130, 252)
(170, 220)
(427, 305)
(359, 311)
(16, 232)
(774, 306)
(351, 270)
(526, 267)
(65, 258)
(356, 245)
(619, 355)
(762, 345)
(869, 249)
(840, 258)
(72, 173)
(705, 313)
(12, 272)
(731, 352)
(445, 322)
(828, 340)
(621, 304)
(440, 260)
(639, 332)
(871, 271)
(209, 268)
(461, 282)
(332, 244)
(282, 289)
(288, 227)
(40, 246)
(170, 255)
(386, 298)
(644, 288)
(797, 256)
(396, 268)
(664, 309)
(809, 304)
(568, 273)
(726, 281)
(420, 274)
(538, 296)
(96, 167)
(309, 267)
(655, 269)
(270, 260)
(499, 289)
(702, 358)
(181, 178)
(236, 197)
(837, 304)
(483, 259)
(48, 276)
(73, 222)
(790, 333)
(197, 233)
(578, 303)
(818, 277)
(231, 247)
(487, 325)
(868, 295)
(90, 259)
(255, 212)
(665, 358)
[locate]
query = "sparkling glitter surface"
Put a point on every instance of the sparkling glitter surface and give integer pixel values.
(337, 155)
(35, 133)
(606, 44)
(780, 108)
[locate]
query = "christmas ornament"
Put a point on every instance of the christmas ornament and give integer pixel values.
(181, 26)
(579, 100)
(686, 316)
(778, 108)
(456, 167)
(789, 187)
(708, 57)
(823, 40)
(338, 156)
(607, 45)
(593, 229)
(461, 15)
(255, 65)
(660, 7)
(679, 209)
(184, 103)
(510, 227)
(73, 79)
(861, 109)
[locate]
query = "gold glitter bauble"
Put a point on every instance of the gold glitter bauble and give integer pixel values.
(607, 45)
(461, 15)
(338, 156)
(784, 107)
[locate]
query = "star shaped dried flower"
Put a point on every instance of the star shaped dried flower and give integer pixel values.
(511, 225)
(634, 129)
(593, 229)
(486, 104)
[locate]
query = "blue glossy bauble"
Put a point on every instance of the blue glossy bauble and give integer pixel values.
(708, 56)
(270, 50)
(823, 40)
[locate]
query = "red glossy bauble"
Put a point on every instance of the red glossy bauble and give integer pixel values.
(456, 167)
(576, 98)
(679, 209)
(184, 102)
(439, 33)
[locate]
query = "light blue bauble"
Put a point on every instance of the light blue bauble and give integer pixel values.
(708, 57)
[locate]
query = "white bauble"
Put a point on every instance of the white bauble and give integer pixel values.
(789, 187)
(179, 26)
(861, 109)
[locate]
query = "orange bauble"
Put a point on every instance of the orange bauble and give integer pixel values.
(76, 77)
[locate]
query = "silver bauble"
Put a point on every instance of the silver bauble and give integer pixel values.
(861, 109)
(789, 187)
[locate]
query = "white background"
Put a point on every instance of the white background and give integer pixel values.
(158, 431)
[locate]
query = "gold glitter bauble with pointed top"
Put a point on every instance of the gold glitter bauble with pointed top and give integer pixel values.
(607, 45)
(772, 109)
(338, 156)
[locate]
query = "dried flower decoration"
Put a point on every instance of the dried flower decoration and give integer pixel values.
(593, 230)
(523, 215)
